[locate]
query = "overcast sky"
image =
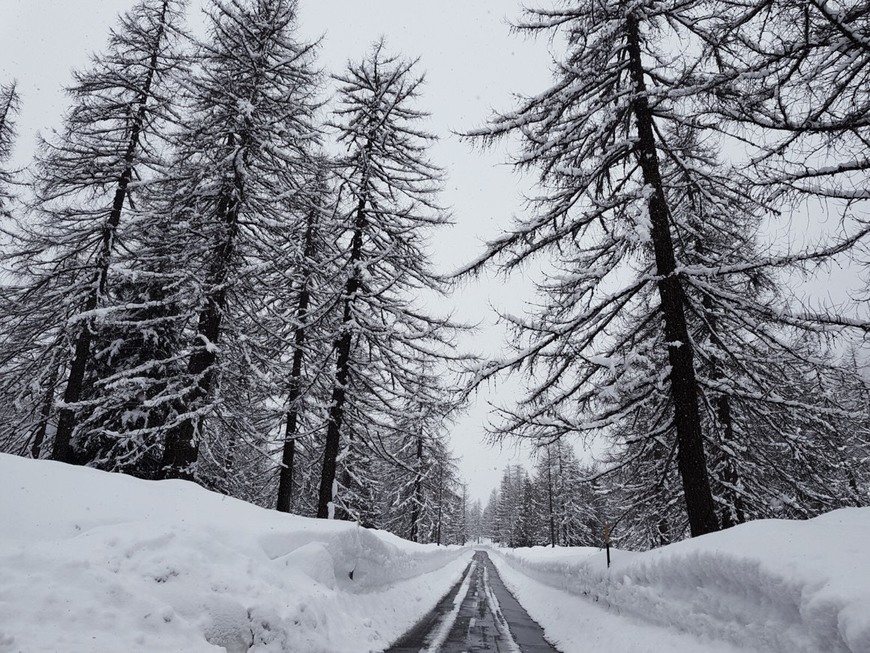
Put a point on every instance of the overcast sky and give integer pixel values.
(473, 64)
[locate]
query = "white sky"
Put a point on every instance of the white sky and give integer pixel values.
(473, 65)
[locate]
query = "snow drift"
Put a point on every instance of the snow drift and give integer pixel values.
(771, 585)
(101, 563)
(93, 562)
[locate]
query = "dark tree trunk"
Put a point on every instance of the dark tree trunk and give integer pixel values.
(684, 391)
(734, 513)
(342, 364)
(285, 479)
(550, 496)
(62, 449)
(440, 497)
(182, 443)
(44, 414)
(417, 503)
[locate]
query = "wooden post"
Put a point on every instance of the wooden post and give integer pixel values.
(607, 542)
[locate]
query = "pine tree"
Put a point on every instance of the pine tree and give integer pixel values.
(383, 339)
(85, 180)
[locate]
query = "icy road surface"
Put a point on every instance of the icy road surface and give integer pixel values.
(479, 614)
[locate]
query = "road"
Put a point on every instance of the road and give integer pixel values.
(478, 615)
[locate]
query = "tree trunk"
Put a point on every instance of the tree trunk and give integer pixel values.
(735, 512)
(550, 496)
(417, 503)
(440, 496)
(44, 413)
(62, 449)
(285, 478)
(684, 391)
(342, 363)
(182, 443)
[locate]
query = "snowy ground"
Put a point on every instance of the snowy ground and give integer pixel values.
(772, 586)
(102, 563)
(93, 562)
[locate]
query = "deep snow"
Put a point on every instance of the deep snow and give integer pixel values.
(93, 562)
(771, 585)
(102, 563)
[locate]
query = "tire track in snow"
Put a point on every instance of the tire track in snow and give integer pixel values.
(480, 615)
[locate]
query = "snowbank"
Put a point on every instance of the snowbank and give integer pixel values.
(93, 562)
(772, 585)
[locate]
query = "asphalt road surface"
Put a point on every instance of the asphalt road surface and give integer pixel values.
(478, 615)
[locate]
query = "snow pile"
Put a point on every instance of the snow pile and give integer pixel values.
(95, 562)
(772, 585)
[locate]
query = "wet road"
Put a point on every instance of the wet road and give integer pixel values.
(478, 615)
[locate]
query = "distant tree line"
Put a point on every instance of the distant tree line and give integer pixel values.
(555, 505)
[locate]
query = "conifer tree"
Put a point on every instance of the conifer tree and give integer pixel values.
(662, 324)
(85, 181)
(489, 518)
(792, 82)
(9, 106)
(753, 363)
(383, 338)
(420, 471)
(596, 137)
(239, 189)
(571, 513)
(16, 435)
(307, 362)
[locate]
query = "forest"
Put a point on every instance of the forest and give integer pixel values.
(218, 270)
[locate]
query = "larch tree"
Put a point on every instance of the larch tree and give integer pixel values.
(508, 513)
(753, 360)
(240, 187)
(528, 517)
(792, 82)
(793, 86)
(571, 513)
(418, 468)
(9, 106)
(596, 136)
(489, 518)
(10, 432)
(388, 192)
(474, 520)
(663, 326)
(85, 180)
(309, 307)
